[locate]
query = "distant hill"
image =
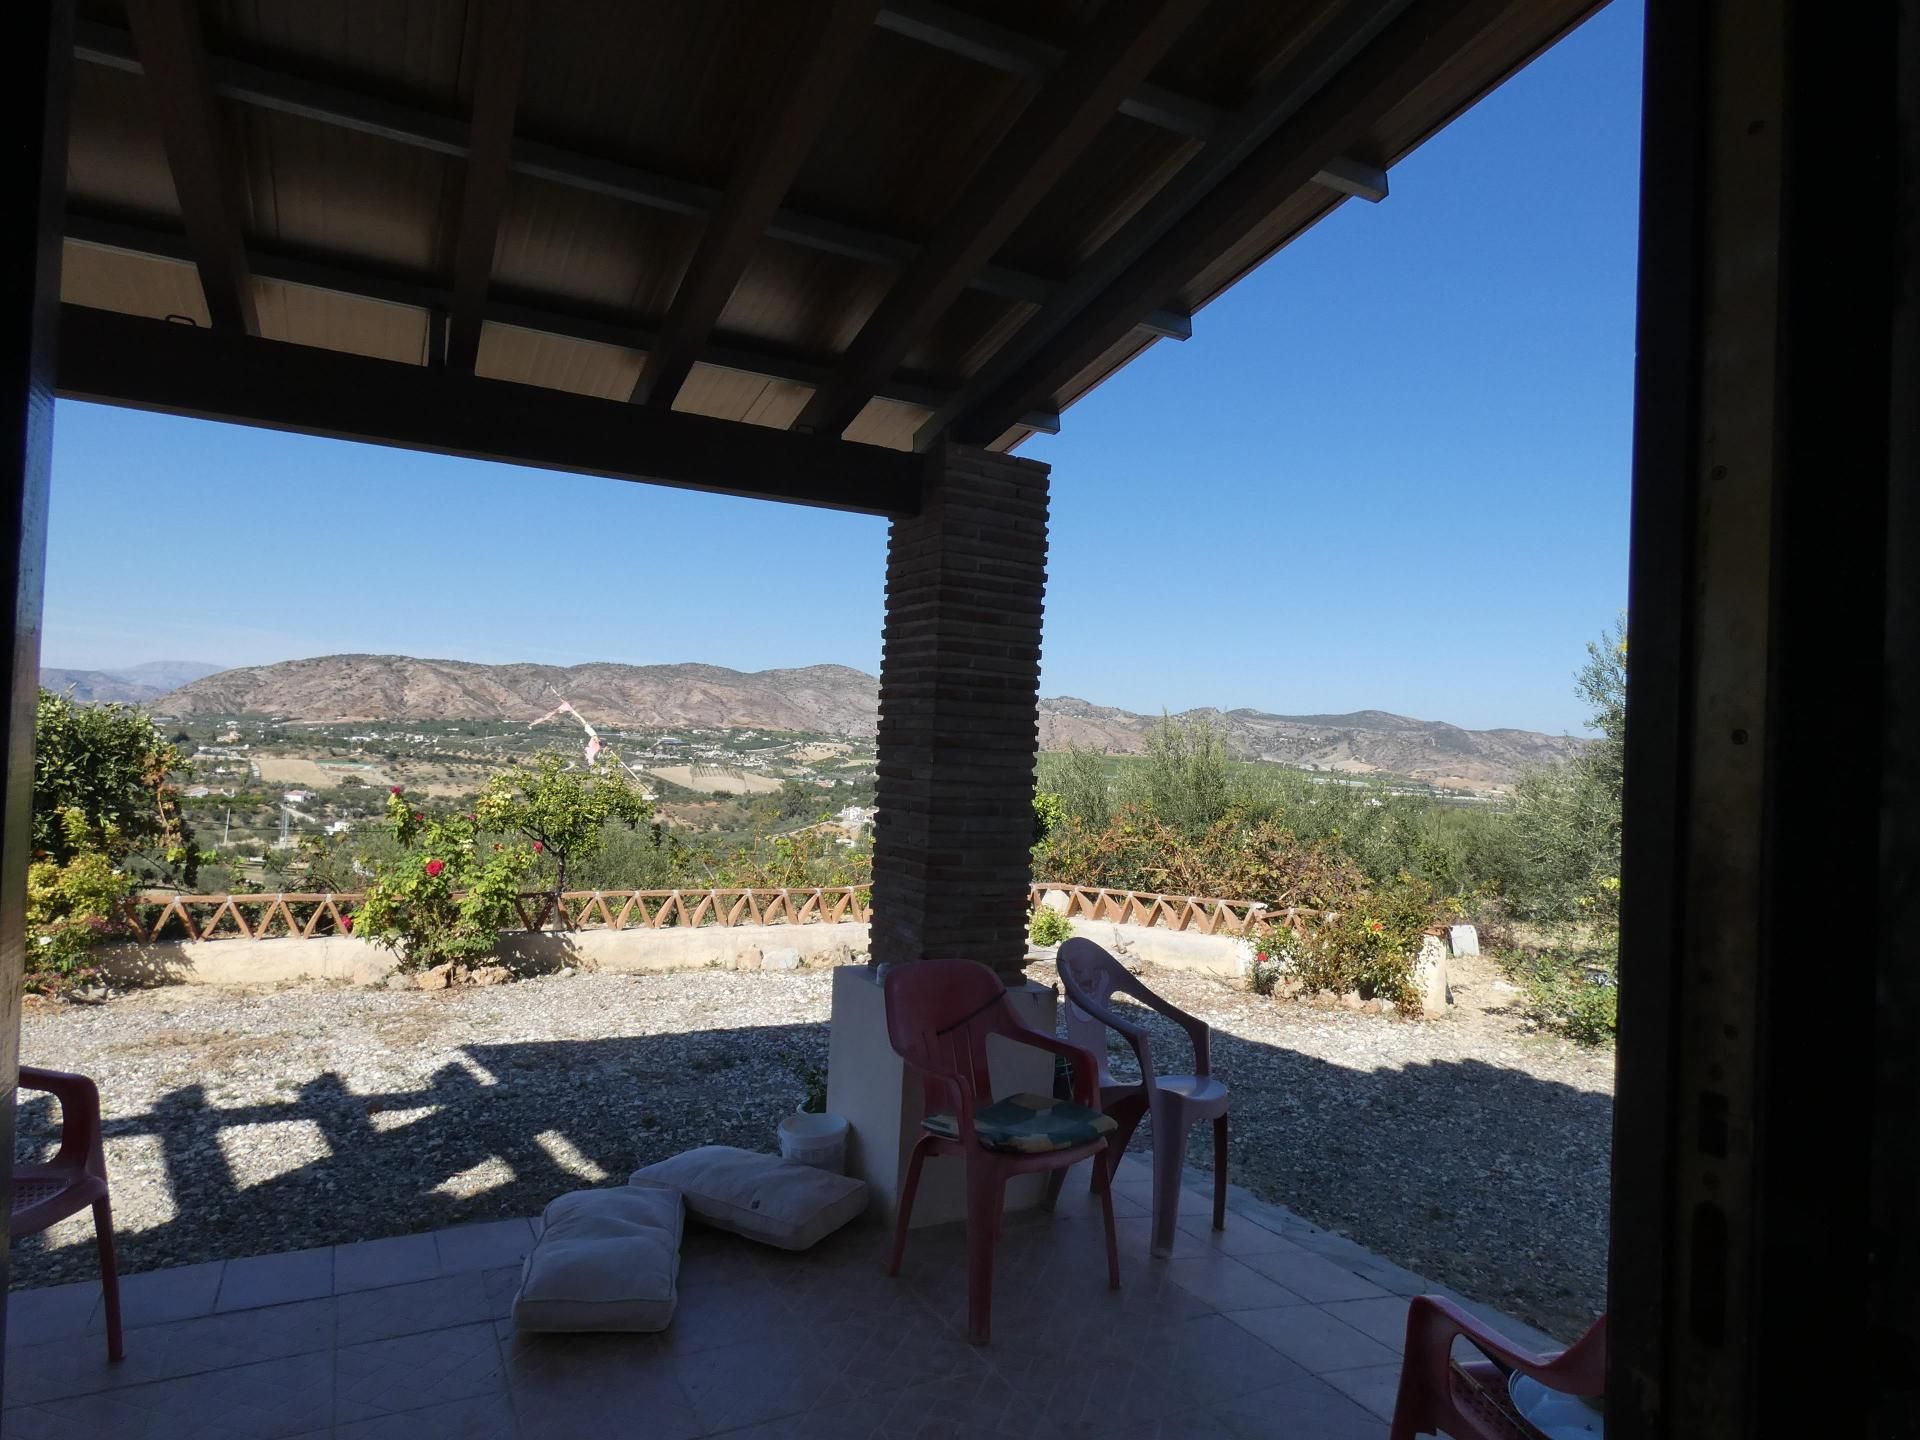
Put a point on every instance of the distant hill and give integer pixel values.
(835, 700)
(1362, 743)
(826, 698)
(131, 684)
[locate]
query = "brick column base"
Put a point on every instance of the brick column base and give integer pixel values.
(959, 714)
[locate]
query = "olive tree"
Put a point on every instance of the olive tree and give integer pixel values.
(562, 811)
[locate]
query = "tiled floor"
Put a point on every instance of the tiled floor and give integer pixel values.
(1270, 1328)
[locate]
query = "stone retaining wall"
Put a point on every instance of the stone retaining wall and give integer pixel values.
(634, 952)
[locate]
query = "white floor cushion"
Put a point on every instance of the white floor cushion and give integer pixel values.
(762, 1197)
(607, 1260)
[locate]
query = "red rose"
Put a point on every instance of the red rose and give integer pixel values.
(538, 847)
(346, 923)
(434, 867)
(395, 790)
(418, 815)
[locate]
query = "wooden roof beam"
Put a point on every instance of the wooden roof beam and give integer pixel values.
(958, 33)
(541, 314)
(738, 224)
(167, 39)
(1122, 44)
(1268, 144)
(324, 104)
(118, 359)
(502, 39)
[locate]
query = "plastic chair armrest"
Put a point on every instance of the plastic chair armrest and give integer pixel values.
(1086, 1070)
(964, 1100)
(79, 1101)
(1134, 1035)
(1433, 1322)
(1198, 1031)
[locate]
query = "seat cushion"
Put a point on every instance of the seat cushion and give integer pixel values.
(606, 1260)
(777, 1202)
(1030, 1124)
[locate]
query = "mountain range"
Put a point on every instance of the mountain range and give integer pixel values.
(131, 685)
(833, 699)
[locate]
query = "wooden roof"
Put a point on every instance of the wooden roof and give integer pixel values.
(882, 220)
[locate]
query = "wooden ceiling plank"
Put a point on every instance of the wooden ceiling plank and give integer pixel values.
(287, 94)
(738, 225)
(1121, 45)
(503, 28)
(166, 37)
(970, 37)
(1244, 152)
(541, 314)
(147, 364)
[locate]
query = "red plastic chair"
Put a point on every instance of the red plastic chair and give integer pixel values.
(1177, 1102)
(75, 1178)
(1468, 1399)
(939, 1015)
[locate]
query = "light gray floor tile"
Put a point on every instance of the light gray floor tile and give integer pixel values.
(1375, 1387)
(1312, 1277)
(395, 1260)
(483, 1247)
(1312, 1338)
(276, 1279)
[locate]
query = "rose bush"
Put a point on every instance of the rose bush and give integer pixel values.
(445, 899)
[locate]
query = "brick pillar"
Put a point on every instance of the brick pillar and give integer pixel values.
(959, 716)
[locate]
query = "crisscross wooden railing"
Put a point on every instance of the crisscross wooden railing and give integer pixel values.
(1198, 913)
(156, 916)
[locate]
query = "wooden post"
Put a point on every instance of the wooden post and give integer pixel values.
(36, 66)
(1763, 1130)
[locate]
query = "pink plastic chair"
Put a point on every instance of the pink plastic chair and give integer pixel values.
(75, 1178)
(1176, 1102)
(1468, 1399)
(939, 1015)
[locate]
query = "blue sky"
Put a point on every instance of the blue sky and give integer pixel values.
(1389, 471)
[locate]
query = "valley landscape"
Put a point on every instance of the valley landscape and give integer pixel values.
(309, 749)
(830, 700)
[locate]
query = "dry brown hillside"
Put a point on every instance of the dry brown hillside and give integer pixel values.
(831, 699)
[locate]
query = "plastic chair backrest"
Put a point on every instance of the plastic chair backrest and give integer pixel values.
(939, 1014)
(1091, 978)
(1089, 975)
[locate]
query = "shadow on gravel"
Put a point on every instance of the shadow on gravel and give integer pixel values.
(1482, 1177)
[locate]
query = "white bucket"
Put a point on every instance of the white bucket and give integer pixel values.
(816, 1140)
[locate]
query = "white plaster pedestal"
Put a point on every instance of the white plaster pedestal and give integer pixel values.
(880, 1098)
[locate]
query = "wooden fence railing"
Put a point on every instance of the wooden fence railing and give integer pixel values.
(152, 916)
(1171, 912)
(149, 917)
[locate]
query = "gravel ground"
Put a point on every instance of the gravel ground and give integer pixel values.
(247, 1121)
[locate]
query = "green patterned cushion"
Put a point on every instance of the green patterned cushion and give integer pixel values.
(1033, 1124)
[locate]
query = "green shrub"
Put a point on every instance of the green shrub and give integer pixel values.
(1048, 927)
(1233, 859)
(1574, 990)
(71, 908)
(444, 898)
(1266, 972)
(1368, 946)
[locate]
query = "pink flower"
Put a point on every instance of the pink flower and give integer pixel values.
(538, 847)
(396, 790)
(346, 923)
(434, 867)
